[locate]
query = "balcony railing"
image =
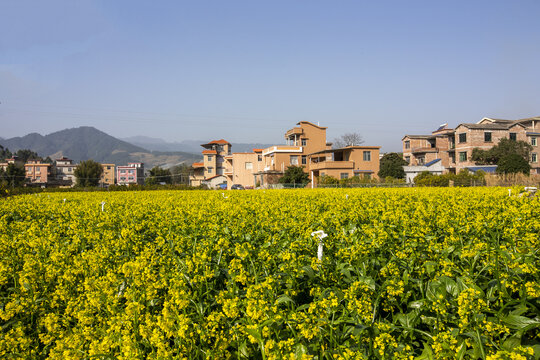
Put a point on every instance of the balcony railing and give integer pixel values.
(331, 165)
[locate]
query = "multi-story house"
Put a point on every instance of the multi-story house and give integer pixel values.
(454, 146)
(107, 177)
(305, 146)
(132, 173)
(37, 172)
(214, 167)
(301, 141)
(343, 163)
(65, 171)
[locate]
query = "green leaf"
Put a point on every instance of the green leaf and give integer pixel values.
(284, 299)
(520, 322)
(301, 349)
(427, 354)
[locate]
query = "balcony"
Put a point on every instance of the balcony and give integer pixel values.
(282, 149)
(326, 165)
(294, 131)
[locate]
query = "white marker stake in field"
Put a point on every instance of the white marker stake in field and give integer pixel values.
(225, 197)
(103, 206)
(321, 235)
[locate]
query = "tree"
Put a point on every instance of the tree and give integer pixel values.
(497, 152)
(180, 174)
(88, 173)
(159, 175)
(294, 175)
(513, 163)
(391, 164)
(13, 176)
(349, 139)
(5, 153)
(25, 154)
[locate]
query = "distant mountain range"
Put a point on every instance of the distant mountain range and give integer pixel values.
(194, 146)
(86, 142)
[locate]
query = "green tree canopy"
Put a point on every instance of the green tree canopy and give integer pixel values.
(13, 176)
(159, 175)
(294, 175)
(88, 173)
(391, 164)
(497, 152)
(512, 163)
(180, 174)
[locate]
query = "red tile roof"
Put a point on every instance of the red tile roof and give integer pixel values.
(220, 141)
(197, 165)
(257, 150)
(209, 152)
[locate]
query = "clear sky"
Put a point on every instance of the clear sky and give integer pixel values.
(247, 71)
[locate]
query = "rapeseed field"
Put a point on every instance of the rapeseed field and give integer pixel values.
(404, 274)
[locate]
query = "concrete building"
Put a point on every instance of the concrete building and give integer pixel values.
(37, 172)
(65, 171)
(132, 173)
(343, 163)
(454, 146)
(107, 177)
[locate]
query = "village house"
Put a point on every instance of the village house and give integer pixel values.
(305, 146)
(132, 173)
(107, 177)
(37, 172)
(453, 147)
(65, 170)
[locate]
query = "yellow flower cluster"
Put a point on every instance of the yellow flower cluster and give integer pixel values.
(405, 273)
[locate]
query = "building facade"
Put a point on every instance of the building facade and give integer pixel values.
(132, 173)
(454, 146)
(37, 172)
(107, 177)
(65, 171)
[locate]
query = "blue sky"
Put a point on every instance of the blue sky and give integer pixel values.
(247, 71)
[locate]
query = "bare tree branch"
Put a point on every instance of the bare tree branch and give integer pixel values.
(349, 139)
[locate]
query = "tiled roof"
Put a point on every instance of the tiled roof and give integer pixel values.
(220, 141)
(199, 164)
(209, 152)
(257, 150)
(487, 126)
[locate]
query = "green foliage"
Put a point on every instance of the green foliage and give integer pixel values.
(391, 164)
(294, 175)
(463, 178)
(13, 176)
(5, 153)
(513, 163)
(180, 174)
(159, 175)
(88, 173)
(25, 154)
(497, 152)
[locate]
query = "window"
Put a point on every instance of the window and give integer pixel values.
(304, 159)
(534, 157)
(533, 141)
(487, 136)
(259, 157)
(294, 159)
(131, 178)
(463, 156)
(209, 157)
(513, 136)
(408, 159)
(367, 155)
(69, 169)
(344, 175)
(323, 173)
(131, 172)
(421, 160)
(122, 171)
(248, 165)
(210, 169)
(463, 138)
(407, 144)
(38, 178)
(123, 178)
(304, 142)
(108, 168)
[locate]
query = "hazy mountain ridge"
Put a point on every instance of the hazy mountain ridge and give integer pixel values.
(193, 146)
(86, 142)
